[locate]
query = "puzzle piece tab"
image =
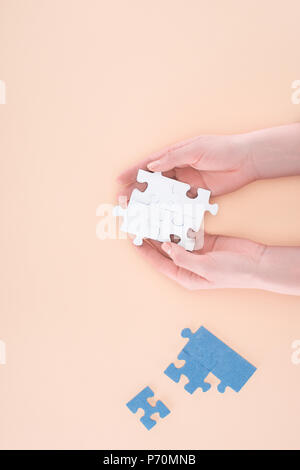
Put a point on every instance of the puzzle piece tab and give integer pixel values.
(141, 401)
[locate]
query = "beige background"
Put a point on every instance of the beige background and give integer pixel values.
(93, 86)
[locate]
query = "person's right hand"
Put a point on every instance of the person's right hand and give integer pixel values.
(223, 262)
(221, 164)
(228, 262)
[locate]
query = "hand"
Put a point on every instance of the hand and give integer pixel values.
(225, 163)
(229, 262)
(223, 262)
(219, 163)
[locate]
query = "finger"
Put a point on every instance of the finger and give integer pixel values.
(129, 175)
(197, 263)
(198, 237)
(213, 243)
(195, 178)
(210, 243)
(157, 245)
(125, 192)
(159, 261)
(167, 267)
(179, 157)
(217, 243)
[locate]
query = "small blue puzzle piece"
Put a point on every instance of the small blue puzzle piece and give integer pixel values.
(206, 352)
(193, 370)
(140, 401)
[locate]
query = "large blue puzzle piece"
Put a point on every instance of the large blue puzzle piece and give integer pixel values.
(227, 365)
(213, 355)
(140, 401)
(193, 370)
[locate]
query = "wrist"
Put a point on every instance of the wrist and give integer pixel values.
(244, 149)
(279, 270)
(274, 152)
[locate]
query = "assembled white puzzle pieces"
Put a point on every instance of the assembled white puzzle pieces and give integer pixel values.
(164, 209)
(141, 401)
(206, 353)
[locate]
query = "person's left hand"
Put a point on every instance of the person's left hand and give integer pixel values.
(219, 163)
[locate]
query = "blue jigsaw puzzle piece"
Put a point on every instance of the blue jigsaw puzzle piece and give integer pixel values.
(140, 401)
(233, 371)
(202, 346)
(227, 365)
(193, 370)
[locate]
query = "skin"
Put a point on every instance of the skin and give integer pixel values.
(223, 164)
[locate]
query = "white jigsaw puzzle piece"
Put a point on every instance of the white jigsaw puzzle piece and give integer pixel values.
(164, 209)
(140, 220)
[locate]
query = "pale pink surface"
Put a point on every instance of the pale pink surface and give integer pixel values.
(93, 87)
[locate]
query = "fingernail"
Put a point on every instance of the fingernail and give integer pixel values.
(166, 247)
(153, 165)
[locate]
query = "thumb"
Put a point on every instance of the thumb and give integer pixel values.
(184, 259)
(184, 155)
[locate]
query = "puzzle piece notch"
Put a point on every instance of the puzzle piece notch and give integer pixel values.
(171, 191)
(193, 370)
(222, 361)
(168, 189)
(141, 401)
(167, 227)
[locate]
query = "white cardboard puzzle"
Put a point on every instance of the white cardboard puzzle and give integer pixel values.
(164, 209)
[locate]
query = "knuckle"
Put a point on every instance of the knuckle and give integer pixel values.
(168, 156)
